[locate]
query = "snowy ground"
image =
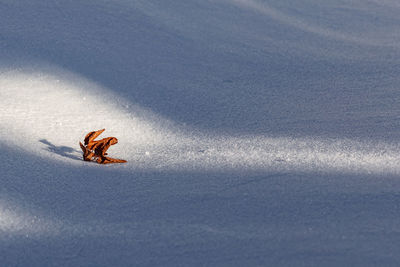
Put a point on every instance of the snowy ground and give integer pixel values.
(257, 133)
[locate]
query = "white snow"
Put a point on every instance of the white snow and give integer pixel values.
(257, 133)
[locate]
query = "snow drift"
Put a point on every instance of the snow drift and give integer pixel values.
(256, 132)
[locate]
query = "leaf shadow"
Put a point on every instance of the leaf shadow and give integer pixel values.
(63, 151)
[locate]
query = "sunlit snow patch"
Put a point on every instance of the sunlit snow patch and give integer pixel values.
(15, 220)
(47, 111)
(55, 109)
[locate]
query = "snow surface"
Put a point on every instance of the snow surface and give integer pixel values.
(257, 133)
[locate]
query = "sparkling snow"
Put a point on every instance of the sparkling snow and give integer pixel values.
(257, 133)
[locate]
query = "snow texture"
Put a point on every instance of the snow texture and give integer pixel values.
(257, 133)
